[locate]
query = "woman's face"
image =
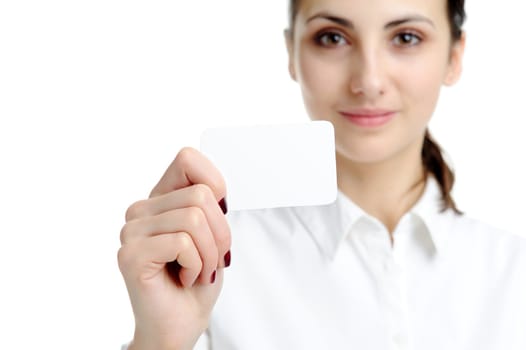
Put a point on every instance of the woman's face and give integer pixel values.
(374, 68)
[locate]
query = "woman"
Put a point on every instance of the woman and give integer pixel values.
(391, 264)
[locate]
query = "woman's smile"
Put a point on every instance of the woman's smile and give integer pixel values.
(368, 117)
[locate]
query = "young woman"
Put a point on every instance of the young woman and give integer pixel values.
(392, 264)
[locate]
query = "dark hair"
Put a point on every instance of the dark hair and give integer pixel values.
(432, 156)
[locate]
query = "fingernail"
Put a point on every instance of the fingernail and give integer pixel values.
(213, 278)
(227, 259)
(222, 204)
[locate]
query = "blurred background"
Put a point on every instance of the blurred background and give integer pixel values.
(97, 97)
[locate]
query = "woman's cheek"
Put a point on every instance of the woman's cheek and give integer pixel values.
(423, 83)
(320, 82)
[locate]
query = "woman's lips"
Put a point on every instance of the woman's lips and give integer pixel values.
(369, 118)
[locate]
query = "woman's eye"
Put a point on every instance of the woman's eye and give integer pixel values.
(329, 39)
(406, 39)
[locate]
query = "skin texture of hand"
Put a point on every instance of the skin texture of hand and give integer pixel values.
(172, 255)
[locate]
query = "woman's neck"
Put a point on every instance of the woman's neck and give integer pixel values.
(385, 190)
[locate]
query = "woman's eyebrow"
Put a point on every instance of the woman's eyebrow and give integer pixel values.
(338, 20)
(349, 24)
(412, 18)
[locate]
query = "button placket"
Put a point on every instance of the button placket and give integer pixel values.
(384, 263)
(395, 293)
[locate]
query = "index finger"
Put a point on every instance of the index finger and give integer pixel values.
(190, 167)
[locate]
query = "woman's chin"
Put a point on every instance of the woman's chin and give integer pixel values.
(365, 154)
(367, 157)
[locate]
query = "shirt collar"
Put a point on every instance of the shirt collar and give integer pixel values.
(330, 224)
(429, 210)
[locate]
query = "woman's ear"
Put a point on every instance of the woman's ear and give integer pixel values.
(290, 50)
(454, 70)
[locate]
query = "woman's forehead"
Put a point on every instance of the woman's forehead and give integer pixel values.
(373, 10)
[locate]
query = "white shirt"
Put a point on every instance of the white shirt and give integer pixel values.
(327, 277)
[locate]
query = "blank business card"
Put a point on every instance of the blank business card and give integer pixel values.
(274, 166)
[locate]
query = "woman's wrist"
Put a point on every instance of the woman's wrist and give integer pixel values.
(148, 343)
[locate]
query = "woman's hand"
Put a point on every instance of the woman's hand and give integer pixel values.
(174, 248)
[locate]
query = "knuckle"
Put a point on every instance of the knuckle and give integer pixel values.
(202, 194)
(195, 217)
(125, 233)
(185, 241)
(186, 244)
(125, 259)
(199, 264)
(136, 210)
(185, 157)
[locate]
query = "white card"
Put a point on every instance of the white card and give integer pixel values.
(275, 165)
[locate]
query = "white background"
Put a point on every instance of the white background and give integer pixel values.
(96, 98)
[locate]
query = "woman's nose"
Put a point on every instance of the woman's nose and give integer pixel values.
(368, 77)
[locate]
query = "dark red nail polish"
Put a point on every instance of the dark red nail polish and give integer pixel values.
(227, 259)
(213, 278)
(222, 204)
